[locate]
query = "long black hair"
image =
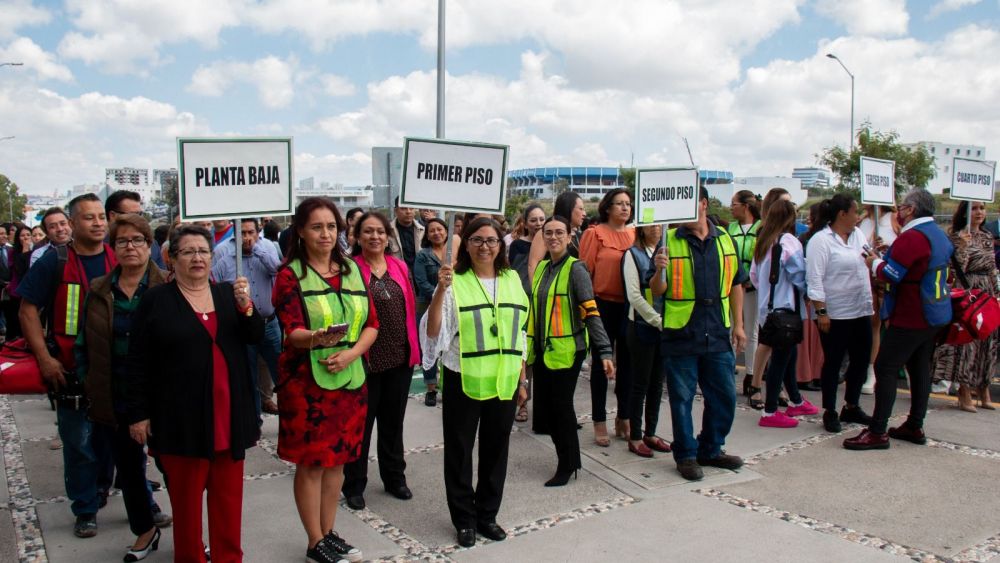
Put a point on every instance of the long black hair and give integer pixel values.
(297, 250)
(463, 262)
(356, 249)
(835, 205)
(565, 203)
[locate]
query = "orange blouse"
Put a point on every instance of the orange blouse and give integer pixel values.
(601, 249)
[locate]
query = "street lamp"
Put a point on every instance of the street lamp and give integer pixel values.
(6, 138)
(11, 64)
(834, 57)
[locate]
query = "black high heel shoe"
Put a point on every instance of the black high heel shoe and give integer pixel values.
(140, 554)
(755, 404)
(561, 478)
(747, 379)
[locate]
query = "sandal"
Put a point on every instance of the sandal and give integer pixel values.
(756, 404)
(601, 434)
(522, 414)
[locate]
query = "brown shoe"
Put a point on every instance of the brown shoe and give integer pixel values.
(657, 444)
(868, 440)
(639, 448)
(909, 433)
(269, 406)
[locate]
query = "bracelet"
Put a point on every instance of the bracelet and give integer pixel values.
(523, 384)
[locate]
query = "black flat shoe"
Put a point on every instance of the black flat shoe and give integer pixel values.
(491, 530)
(140, 554)
(356, 502)
(402, 492)
(466, 537)
(831, 422)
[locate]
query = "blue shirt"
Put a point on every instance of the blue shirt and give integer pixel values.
(259, 267)
(705, 332)
(39, 286)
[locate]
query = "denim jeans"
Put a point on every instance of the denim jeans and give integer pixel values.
(269, 349)
(86, 455)
(714, 373)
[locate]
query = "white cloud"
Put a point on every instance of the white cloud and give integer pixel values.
(35, 60)
(123, 36)
(20, 13)
(945, 6)
(877, 18)
(272, 77)
(334, 85)
(336, 168)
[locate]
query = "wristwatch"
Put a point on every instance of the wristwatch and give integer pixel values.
(821, 312)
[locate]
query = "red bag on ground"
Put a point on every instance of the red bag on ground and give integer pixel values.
(976, 311)
(19, 373)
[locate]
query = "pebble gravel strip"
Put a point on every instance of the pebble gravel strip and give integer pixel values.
(831, 529)
(967, 450)
(27, 529)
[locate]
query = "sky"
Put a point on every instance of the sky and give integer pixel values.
(111, 83)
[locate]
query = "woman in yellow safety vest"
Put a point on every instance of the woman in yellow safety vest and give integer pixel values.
(746, 223)
(476, 321)
(563, 315)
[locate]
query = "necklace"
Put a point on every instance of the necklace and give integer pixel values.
(377, 270)
(200, 307)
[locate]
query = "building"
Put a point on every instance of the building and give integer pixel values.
(760, 185)
(813, 177)
(132, 179)
(344, 197)
(595, 181)
(944, 155)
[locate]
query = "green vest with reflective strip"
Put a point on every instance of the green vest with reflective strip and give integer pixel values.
(561, 328)
(744, 242)
(490, 335)
(678, 301)
(324, 306)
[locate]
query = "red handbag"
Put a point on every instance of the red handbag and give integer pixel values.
(19, 373)
(975, 314)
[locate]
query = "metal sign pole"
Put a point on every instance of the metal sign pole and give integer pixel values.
(451, 229)
(237, 229)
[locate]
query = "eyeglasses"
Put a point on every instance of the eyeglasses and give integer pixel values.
(491, 242)
(188, 253)
(137, 242)
(554, 234)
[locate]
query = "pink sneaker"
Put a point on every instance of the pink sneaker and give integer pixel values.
(805, 409)
(778, 420)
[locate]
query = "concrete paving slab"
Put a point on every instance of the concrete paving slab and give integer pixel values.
(682, 527)
(4, 492)
(929, 498)
(426, 518)
(660, 472)
(35, 419)
(421, 427)
(8, 543)
(978, 429)
(259, 461)
(44, 468)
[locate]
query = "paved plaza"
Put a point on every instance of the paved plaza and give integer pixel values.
(800, 497)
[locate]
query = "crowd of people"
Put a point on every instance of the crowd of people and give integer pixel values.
(158, 343)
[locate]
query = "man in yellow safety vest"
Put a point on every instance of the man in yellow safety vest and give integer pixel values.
(702, 325)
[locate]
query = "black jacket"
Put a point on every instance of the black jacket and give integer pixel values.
(170, 372)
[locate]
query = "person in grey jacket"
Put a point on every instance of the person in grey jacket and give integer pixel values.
(425, 277)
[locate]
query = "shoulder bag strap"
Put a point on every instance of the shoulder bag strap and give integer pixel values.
(959, 273)
(773, 278)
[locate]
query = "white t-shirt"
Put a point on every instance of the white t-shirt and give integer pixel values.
(836, 274)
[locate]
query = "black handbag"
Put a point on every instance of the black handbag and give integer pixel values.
(783, 327)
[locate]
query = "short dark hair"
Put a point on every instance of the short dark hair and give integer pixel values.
(111, 204)
(355, 210)
(426, 242)
(76, 201)
(160, 234)
(254, 220)
(183, 230)
(49, 212)
(137, 222)
(356, 249)
(271, 230)
(463, 262)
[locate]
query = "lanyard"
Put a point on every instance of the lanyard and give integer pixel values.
(493, 305)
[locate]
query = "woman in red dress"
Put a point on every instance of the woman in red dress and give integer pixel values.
(321, 301)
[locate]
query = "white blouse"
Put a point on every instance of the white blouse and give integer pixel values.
(836, 274)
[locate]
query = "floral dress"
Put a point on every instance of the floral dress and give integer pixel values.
(971, 364)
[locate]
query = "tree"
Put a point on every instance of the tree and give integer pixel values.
(11, 200)
(514, 205)
(169, 195)
(559, 186)
(914, 166)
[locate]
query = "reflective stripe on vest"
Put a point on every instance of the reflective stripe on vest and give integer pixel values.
(935, 294)
(678, 302)
(324, 306)
(68, 303)
(490, 335)
(561, 328)
(744, 242)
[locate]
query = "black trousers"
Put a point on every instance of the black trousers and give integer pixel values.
(647, 378)
(130, 461)
(387, 398)
(613, 319)
(461, 417)
(781, 371)
(853, 337)
(914, 349)
(554, 391)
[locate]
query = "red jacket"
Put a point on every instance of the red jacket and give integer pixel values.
(912, 250)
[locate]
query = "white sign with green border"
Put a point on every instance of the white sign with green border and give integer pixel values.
(456, 175)
(878, 181)
(973, 180)
(666, 195)
(232, 177)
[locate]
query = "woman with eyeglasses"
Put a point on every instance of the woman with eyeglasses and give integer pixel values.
(329, 323)
(476, 322)
(562, 321)
(188, 393)
(390, 359)
(601, 249)
(101, 352)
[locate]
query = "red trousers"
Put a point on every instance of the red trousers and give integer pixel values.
(188, 479)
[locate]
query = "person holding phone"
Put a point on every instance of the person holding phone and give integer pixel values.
(390, 360)
(322, 397)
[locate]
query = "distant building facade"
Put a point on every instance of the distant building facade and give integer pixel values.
(812, 177)
(944, 155)
(345, 197)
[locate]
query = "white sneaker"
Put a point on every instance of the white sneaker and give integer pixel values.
(941, 386)
(869, 387)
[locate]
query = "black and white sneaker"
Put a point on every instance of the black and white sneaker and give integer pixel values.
(323, 552)
(342, 548)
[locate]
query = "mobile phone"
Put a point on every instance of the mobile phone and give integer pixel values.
(336, 329)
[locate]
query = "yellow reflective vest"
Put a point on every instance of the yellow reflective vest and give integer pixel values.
(489, 334)
(679, 299)
(561, 328)
(744, 242)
